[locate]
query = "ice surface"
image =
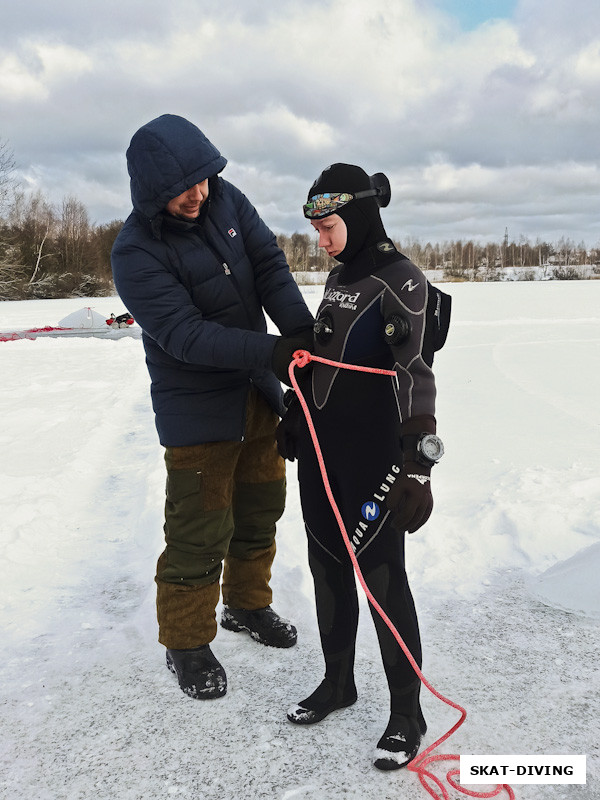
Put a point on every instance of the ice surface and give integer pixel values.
(573, 584)
(504, 575)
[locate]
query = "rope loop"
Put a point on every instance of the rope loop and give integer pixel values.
(300, 359)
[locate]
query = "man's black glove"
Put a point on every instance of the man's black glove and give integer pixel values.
(289, 428)
(284, 349)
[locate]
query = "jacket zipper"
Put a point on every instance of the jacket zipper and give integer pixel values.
(230, 275)
(213, 251)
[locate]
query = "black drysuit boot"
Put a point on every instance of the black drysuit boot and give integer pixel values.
(337, 690)
(402, 737)
(263, 625)
(199, 673)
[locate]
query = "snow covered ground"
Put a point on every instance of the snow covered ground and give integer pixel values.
(505, 574)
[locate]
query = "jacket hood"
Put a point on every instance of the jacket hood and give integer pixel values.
(165, 158)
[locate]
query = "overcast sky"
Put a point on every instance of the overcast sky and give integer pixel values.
(484, 114)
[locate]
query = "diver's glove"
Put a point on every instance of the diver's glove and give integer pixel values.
(410, 498)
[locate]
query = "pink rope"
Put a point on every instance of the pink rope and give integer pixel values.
(420, 764)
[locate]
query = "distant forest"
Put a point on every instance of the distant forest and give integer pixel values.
(459, 259)
(54, 251)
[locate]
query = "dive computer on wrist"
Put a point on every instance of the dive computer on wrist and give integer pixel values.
(424, 448)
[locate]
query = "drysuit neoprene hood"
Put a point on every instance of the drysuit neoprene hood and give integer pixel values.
(362, 218)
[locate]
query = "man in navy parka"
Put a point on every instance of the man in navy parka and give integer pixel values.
(197, 268)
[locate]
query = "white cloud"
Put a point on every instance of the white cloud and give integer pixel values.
(547, 201)
(587, 65)
(473, 127)
(35, 69)
(279, 122)
(17, 81)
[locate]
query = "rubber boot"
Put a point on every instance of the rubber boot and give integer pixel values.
(263, 625)
(199, 673)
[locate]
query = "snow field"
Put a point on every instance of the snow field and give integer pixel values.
(504, 574)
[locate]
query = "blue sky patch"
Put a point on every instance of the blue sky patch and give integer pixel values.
(472, 13)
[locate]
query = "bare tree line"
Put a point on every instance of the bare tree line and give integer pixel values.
(50, 251)
(462, 260)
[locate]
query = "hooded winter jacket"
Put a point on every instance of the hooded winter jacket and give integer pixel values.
(198, 289)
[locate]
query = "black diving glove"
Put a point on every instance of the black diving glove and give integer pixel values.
(410, 497)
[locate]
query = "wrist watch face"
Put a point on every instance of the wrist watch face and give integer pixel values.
(431, 447)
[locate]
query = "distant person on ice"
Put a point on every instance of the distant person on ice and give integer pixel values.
(378, 438)
(197, 268)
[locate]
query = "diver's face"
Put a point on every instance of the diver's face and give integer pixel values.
(333, 234)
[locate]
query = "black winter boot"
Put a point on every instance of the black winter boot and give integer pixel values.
(199, 673)
(263, 625)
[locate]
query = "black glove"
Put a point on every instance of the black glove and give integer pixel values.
(289, 428)
(410, 497)
(284, 349)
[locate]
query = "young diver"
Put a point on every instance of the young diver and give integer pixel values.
(378, 438)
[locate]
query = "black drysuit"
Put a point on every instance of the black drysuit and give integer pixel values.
(379, 320)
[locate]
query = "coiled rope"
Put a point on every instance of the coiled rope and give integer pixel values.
(421, 763)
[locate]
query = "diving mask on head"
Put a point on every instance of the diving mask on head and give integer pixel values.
(326, 203)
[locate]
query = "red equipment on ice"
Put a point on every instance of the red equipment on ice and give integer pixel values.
(122, 321)
(85, 322)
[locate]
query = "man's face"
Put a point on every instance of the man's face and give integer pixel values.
(188, 204)
(333, 233)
